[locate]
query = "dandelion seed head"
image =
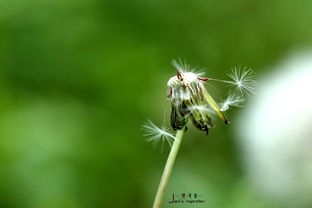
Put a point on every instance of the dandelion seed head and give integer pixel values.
(189, 99)
(157, 134)
(185, 86)
(185, 79)
(242, 80)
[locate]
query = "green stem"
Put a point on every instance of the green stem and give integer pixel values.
(168, 169)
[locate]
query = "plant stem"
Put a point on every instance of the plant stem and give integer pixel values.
(168, 169)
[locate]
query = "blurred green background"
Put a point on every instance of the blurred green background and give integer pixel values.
(78, 78)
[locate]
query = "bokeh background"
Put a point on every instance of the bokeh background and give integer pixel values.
(78, 78)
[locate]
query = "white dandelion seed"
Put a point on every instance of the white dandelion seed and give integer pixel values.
(183, 67)
(243, 80)
(155, 134)
(232, 100)
(180, 65)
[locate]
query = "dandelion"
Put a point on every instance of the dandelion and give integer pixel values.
(186, 93)
(190, 101)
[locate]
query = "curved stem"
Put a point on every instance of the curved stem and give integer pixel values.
(168, 169)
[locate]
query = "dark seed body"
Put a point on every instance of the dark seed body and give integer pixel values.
(178, 116)
(190, 107)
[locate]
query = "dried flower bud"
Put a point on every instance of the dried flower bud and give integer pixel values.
(190, 99)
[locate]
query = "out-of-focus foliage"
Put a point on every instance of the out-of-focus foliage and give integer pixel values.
(79, 77)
